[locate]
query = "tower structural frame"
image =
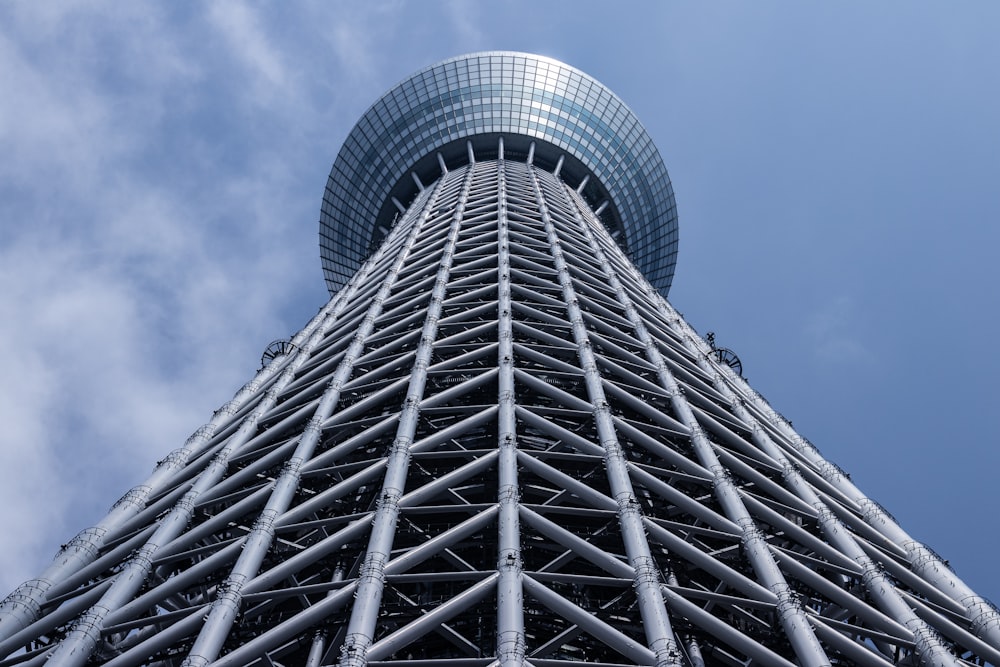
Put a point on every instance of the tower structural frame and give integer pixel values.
(498, 443)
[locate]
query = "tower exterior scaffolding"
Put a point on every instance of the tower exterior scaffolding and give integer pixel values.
(498, 443)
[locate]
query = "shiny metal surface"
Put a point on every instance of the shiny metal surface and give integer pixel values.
(481, 96)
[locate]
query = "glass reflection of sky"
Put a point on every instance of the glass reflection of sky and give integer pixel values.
(506, 93)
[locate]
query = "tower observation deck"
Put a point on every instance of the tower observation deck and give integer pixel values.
(497, 444)
(430, 120)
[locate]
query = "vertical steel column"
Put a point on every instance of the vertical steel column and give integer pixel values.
(882, 590)
(318, 646)
(655, 618)
(790, 613)
(510, 597)
(371, 579)
(256, 544)
(690, 644)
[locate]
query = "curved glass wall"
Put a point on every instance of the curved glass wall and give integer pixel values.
(479, 96)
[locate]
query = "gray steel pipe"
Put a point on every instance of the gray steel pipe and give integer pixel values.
(440, 614)
(624, 644)
(878, 585)
(656, 620)
(371, 580)
(790, 613)
(510, 598)
(223, 612)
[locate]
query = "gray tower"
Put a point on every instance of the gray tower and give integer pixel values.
(498, 443)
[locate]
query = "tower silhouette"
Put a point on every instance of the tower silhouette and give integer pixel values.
(497, 443)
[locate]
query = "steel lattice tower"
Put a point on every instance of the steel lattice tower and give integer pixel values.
(498, 443)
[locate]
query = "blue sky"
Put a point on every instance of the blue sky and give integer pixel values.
(835, 166)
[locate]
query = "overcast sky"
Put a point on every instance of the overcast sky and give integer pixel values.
(836, 169)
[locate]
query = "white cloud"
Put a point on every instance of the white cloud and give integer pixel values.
(833, 330)
(143, 256)
(241, 28)
(464, 17)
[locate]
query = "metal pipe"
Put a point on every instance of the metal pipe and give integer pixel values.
(50, 621)
(315, 657)
(656, 621)
(371, 580)
(621, 642)
(24, 604)
(316, 552)
(79, 643)
(446, 481)
(425, 623)
(953, 631)
(982, 614)
(564, 397)
(842, 597)
(578, 545)
(440, 542)
(510, 639)
(790, 612)
(286, 630)
(668, 454)
(324, 498)
(174, 584)
(559, 165)
(556, 431)
(154, 639)
(335, 453)
(110, 558)
(82, 639)
(851, 649)
(222, 614)
(563, 481)
(716, 627)
(713, 566)
(682, 501)
(690, 644)
(880, 587)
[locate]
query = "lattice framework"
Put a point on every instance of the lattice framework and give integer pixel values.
(498, 444)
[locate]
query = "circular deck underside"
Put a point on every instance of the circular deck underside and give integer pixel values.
(477, 98)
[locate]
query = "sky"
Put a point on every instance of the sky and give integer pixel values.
(835, 168)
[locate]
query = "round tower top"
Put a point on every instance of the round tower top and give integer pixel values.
(429, 119)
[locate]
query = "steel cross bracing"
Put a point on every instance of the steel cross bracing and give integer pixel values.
(497, 445)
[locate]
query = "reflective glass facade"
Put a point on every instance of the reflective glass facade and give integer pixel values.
(514, 95)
